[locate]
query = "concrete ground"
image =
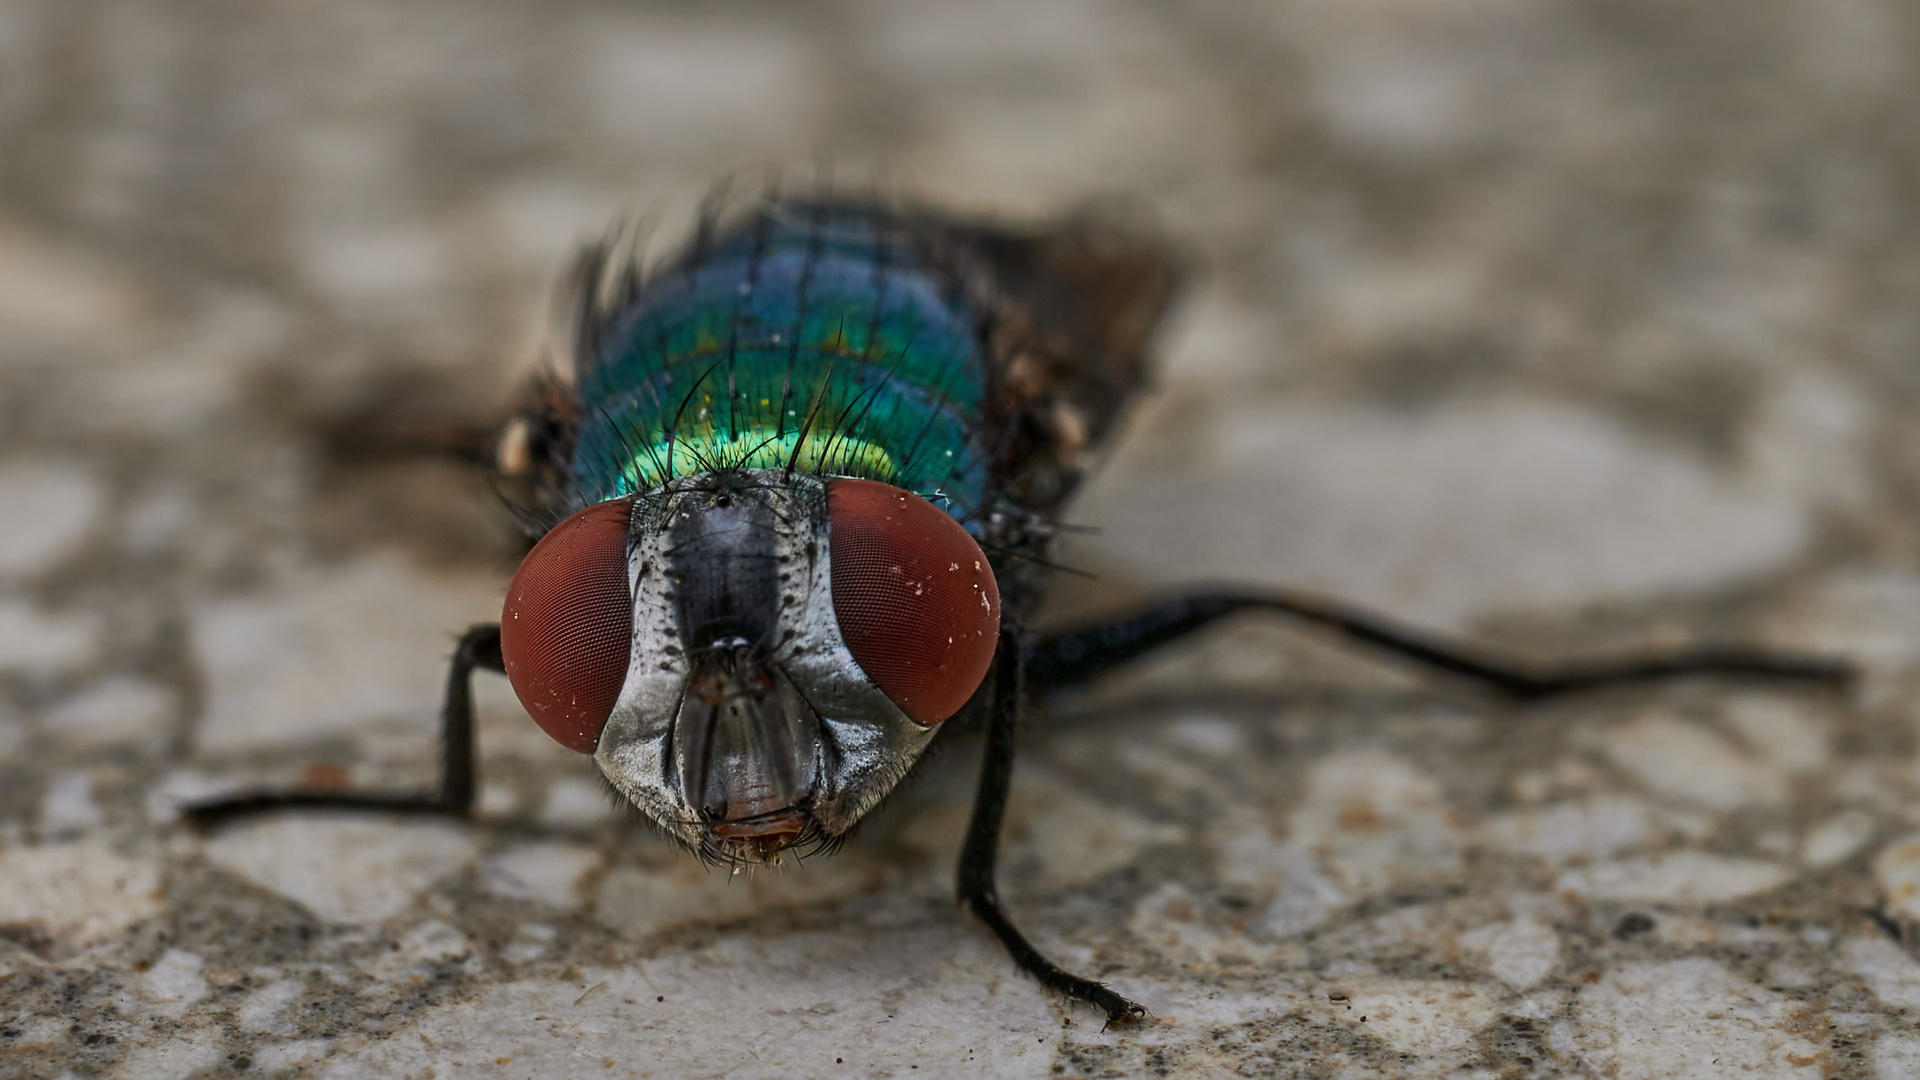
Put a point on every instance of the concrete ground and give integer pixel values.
(1576, 326)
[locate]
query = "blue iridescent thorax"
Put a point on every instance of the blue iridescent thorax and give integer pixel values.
(809, 337)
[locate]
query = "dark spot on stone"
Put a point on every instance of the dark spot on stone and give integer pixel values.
(1887, 924)
(1632, 925)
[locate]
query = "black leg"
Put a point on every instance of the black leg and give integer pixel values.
(479, 648)
(1077, 656)
(982, 848)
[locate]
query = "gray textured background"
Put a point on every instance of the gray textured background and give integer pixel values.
(1576, 326)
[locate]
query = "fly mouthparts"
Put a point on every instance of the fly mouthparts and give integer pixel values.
(738, 758)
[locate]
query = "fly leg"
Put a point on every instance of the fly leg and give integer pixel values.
(982, 847)
(479, 648)
(1073, 657)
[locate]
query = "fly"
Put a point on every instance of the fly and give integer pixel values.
(798, 491)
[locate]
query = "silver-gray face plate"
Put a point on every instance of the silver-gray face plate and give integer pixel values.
(790, 718)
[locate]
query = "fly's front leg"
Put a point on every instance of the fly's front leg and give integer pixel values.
(982, 848)
(479, 649)
(1076, 656)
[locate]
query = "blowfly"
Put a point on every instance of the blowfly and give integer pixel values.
(799, 486)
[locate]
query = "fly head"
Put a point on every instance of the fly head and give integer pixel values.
(754, 660)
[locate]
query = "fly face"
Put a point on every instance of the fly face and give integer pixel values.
(754, 660)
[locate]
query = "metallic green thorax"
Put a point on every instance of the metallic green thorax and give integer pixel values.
(810, 337)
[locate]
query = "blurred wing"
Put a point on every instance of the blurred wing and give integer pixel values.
(1070, 312)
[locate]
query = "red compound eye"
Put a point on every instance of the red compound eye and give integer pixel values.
(916, 600)
(567, 629)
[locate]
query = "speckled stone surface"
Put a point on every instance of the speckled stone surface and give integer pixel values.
(1575, 326)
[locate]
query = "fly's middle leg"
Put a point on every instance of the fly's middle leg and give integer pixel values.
(479, 649)
(982, 848)
(1072, 657)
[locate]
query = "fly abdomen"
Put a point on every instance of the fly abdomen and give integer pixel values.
(810, 339)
